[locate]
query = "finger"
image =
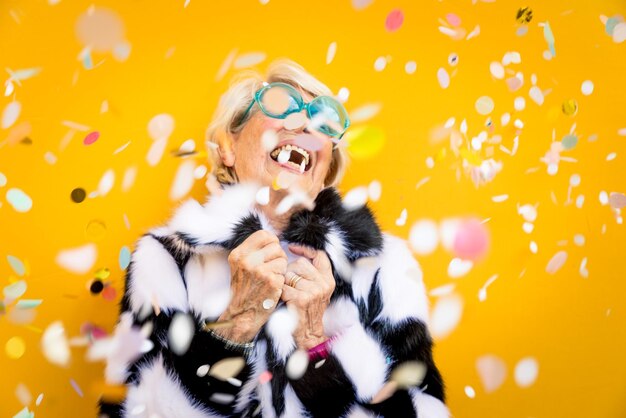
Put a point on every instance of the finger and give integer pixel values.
(303, 268)
(277, 266)
(303, 250)
(259, 239)
(272, 251)
(289, 294)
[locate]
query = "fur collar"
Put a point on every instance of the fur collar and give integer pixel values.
(228, 219)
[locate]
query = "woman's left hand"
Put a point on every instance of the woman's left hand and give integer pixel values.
(311, 295)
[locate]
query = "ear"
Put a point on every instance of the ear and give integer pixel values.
(225, 148)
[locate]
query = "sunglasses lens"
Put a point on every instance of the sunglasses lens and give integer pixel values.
(278, 101)
(328, 115)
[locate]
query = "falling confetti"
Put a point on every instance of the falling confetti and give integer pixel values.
(556, 262)
(54, 344)
(549, 37)
(459, 268)
(330, 54)
(446, 315)
(394, 20)
(297, 364)
(10, 114)
(472, 240)
(17, 265)
(124, 257)
(249, 60)
(180, 333)
(492, 372)
(587, 87)
(15, 348)
(526, 371)
(19, 200)
(443, 77)
(424, 237)
(76, 387)
(91, 138)
(227, 368)
(484, 105)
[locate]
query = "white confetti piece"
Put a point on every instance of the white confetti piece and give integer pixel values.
(497, 70)
(533, 247)
(180, 333)
(536, 95)
(330, 54)
(402, 218)
(203, 370)
(583, 268)
(587, 87)
(10, 114)
(556, 262)
(78, 260)
(526, 372)
(519, 103)
(297, 364)
(492, 372)
(528, 212)
(474, 33)
(54, 344)
(343, 94)
(424, 237)
(222, 398)
(443, 77)
(155, 153)
(410, 67)
(444, 290)
(129, 178)
(226, 64)
(482, 293)
(470, 392)
(355, 198)
(619, 33)
(39, 399)
(183, 181)
(106, 182)
(604, 198)
(500, 198)
(580, 200)
(459, 268)
(511, 58)
(621, 132)
(50, 158)
(248, 60)
(365, 112)
(611, 156)
(579, 239)
(263, 196)
(374, 190)
(484, 105)
(121, 148)
(19, 200)
(15, 290)
(446, 315)
(161, 126)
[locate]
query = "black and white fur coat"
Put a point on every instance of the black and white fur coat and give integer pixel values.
(379, 308)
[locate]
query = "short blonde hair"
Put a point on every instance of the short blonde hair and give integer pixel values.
(234, 102)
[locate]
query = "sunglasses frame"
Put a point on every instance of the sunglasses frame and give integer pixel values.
(299, 101)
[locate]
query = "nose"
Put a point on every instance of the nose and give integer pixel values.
(297, 122)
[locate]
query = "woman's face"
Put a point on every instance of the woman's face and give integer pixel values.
(253, 161)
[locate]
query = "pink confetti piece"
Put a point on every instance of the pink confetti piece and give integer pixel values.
(91, 138)
(394, 20)
(453, 20)
(76, 387)
(265, 377)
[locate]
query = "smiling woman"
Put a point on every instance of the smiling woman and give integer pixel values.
(273, 298)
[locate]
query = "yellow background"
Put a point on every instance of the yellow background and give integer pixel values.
(573, 327)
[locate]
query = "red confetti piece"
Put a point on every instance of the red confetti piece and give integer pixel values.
(109, 293)
(394, 20)
(91, 138)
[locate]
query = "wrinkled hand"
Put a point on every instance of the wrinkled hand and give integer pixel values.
(257, 267)
(311, 295)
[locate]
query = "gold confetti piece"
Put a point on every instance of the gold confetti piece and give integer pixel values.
(95, 230)
(570, 107)
(227, 368)
(409, 374)
(15, 348)
(524, 15)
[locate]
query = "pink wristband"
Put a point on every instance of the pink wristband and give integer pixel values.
(321, 351)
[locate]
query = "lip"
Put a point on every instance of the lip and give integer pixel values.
(288, 167)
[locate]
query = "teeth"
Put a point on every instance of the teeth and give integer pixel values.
(290, 148)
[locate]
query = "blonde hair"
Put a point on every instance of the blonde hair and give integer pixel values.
(234, 102)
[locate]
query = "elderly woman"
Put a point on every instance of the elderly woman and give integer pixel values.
(274, 299)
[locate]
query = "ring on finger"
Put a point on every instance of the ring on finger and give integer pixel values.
(294, 280)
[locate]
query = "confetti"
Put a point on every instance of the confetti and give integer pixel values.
(91, 138)
(365, 112)
(453, 59)
(570, 107)
(24, 413)
(556, 262)
(3, 180)
(297, 364)
(409, 374)
(248, 60)
(459, 268)
(15, 290)
(587, 87)
(96, 287)
(469, 392)
(424, 237)
(536, 95)
(583, 268)
(39, 399)
(497, 70)
(355, 198)
(442, 290)
(617, 200)
(492, 372)
(129, 178)
(183, 180)
(54, 344)
(533, 247)
(361, 4)
(394, 20)
(23, 394)
(519, 104)
(28, 303)
(482, 293)
(106, 182)
(121, 51)
(619, 33)
(100, 28)
(402, 218)
(446, 315)
(263, 196)
(19, 200)
(380, 63)
(227, 368)
(526, 371)
(124, 257)
(76, 387)
(17, 265)
(410, 67)
(95, 230)
(472, 240)
(330, 54)
(443, 77)
(604, 198)
(569, 141)
(549, 37)
(10, 114)
(374, 190)
(500, 198)
(78, 195)
(484, 105)
(78, 260)
(203, 370)
(160, 126)
(181, 333)
(524, 15)
(15, 348)
(222, 398)
(265, 377)
(611, 156)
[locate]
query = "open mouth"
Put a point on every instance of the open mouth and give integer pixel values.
(292, 156)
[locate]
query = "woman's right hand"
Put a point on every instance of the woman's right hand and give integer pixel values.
(258, 266)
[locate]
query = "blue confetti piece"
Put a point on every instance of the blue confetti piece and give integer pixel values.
(549, 36)
(124, 257)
